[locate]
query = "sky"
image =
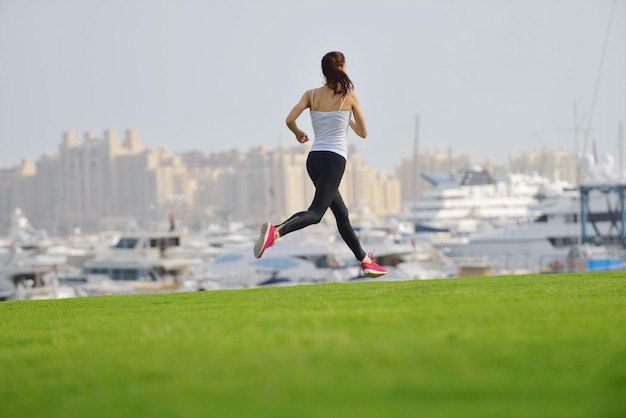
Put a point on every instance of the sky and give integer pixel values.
(487, 78)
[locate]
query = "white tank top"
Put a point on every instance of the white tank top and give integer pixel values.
(331, 129)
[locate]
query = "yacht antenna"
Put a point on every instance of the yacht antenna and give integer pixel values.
(620, 146)
(576, 130)
(595, 89)
(415, 158)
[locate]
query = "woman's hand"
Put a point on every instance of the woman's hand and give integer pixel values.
(302, 137)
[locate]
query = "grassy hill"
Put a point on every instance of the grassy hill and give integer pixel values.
(520, 346)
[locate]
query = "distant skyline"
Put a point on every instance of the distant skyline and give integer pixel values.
(487, 77)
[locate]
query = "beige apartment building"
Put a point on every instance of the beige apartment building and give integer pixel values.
(95, 184)
(103, 182)
(14, 185)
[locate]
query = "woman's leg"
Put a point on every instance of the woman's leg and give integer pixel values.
(368, 265)
(326, 170)
(340, 210)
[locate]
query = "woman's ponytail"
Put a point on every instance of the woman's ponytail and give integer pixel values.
(336, 77)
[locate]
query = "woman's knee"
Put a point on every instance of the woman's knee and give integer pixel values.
(341, 214)
(316, 216)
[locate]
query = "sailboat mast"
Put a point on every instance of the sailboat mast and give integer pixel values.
(415, 158)
(620, 146)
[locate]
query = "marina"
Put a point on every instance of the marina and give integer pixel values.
(473, 225)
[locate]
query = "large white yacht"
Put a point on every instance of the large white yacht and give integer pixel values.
(546, 241)
(24, 275)
(139, 261)
(29, 260)
(563, 222)
(23, 236)
(479, 202)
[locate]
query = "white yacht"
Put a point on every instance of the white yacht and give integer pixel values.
(28, 276)
(478, 201)
(23, 236)
(138, 262)
(563, 225)
(29, 260)
(25, 262)
(549, 238)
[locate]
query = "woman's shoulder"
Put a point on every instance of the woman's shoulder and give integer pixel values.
(312, 91)
(307, 97)
(351, 98)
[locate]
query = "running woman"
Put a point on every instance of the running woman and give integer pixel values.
(331, 108)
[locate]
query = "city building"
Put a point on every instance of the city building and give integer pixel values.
(107, 183)
(98, 183)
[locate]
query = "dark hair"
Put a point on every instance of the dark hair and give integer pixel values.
(336, 78)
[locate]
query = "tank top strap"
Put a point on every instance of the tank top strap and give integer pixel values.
(312, 96)
(343, 101)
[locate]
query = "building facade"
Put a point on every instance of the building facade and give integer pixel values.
(103, 182)
(94, 184)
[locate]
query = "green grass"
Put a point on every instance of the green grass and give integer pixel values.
(523, 346)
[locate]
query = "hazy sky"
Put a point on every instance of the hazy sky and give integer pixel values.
(486, 77)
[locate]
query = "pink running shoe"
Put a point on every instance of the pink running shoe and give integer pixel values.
(266, 239)
(372, 269)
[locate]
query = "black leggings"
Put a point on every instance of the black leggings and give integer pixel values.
(326, 169)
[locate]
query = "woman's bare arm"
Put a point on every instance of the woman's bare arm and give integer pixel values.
(297, 110)
(358, 124)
